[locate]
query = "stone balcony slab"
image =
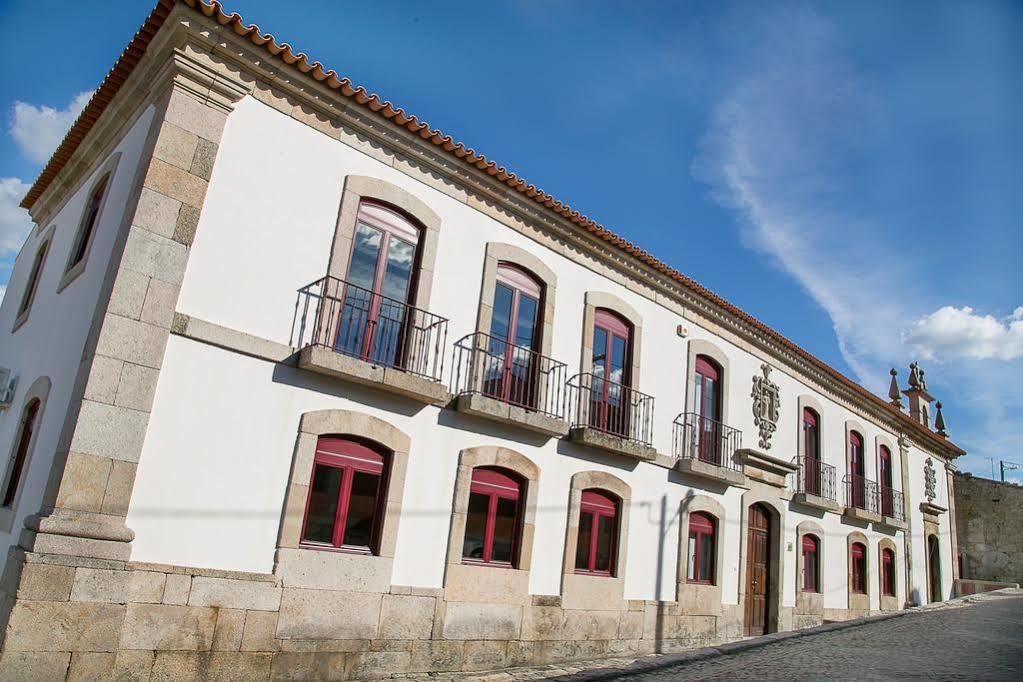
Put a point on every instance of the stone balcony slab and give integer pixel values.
(857, 514)
(817, 502)
(894, 523)
(325, 361)
(480, 405)
(602, 440)
(765, 468)
(710, 471)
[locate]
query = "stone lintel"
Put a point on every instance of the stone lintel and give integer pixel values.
(765, 468)
(817, 502)
(857, 514)
(894, 523)
(711, 471)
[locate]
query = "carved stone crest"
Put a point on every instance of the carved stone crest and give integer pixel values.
(765, 406)
(930, 480)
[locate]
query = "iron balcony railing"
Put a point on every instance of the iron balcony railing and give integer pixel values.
(596, 403)
(698, 438)
(516, 375)
(892, 504)
(815, 477)
(861, 493)
(363, 324)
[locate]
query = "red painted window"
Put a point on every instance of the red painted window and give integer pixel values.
(493, 522)
(811, 564)
(609, 404)
(28, 426)
(887, 572)
(884, 469)
(81, 245)
(856, 464)
(858, 556)
(812, 451)
(33, 279)
(707, 403)
(702, 541)
(346, 494)
(596, 544)
(514, 336)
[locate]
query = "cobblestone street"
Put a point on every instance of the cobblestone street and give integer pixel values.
(965, 641)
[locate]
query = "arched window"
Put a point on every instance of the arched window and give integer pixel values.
(811, 451)
(811, 564)
(612, 350)
(33, 279)
(858, 557)
(597, 542)
(887, 572)
(345, 496)
(27, 428)
(493, 519)
(88, 225)
(857, 481)
(885, 479)
(515, 329)
(707, 403)
(373, 322)
(702, 548)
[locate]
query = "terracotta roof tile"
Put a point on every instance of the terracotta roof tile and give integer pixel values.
(399, 117)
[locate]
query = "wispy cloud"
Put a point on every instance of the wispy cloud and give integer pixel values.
(951, 332)
(39, 129)
(15, 223)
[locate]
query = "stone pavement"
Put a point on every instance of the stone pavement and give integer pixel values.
(974, 638)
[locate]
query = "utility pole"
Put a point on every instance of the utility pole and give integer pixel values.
(1003, 465)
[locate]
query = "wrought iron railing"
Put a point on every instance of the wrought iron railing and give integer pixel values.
(493, 367)
(815, 477)
(892, 504)
(861, 493)
(363, 324)
(613, 408)
(705, 440)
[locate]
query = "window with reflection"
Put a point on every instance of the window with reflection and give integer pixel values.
(492, 523)
(811, 452)
(811, 563)
(884, 475)
(887, 572)
(858, 557)
(25, 431)
(856, 464)
(597, 540)
(707, 403)
(515, 326)
(701, 551)
(609, 392)
(344, 509)
(80, 247)
(375, 319)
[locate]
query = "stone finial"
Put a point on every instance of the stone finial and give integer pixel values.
(893, 390)
(923, 381)
(914, 375)
(939, 422)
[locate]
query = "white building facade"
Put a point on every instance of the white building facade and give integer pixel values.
(304, 385)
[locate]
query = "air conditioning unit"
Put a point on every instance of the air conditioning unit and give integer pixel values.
(8, 380)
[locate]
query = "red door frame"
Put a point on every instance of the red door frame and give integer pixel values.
(856, 464)
(811, 455)
(521, 283)
(708, 376)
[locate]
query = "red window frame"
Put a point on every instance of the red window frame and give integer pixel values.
(858, 466)
(609, 405)
(702, 525)
(887, 572)
(598, 504)
(811, 563)
(349, 456)
(28, 426)
(496, 483)
(858, 557)
(88, 226)
(707, 404)
(811, 452)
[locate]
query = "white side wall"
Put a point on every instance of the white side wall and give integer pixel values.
(211, 480)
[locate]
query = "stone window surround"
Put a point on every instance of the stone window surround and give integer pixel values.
(809, 602)
(858, 601)
(600, 299)
(768, 497)
(697, 347)
(336, 422)
(850, 426)
(700, 598)
(105, 174)
(45, 242)
(808, 401)
(888, 602)
(477, 582)
(39, 390)
(359, 187)
(879, 440)
(581, 590)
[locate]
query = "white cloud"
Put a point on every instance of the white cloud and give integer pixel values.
(951, 332)
(39, 129)
(15, 223)
(3, 292)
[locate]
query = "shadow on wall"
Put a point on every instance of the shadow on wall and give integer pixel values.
(289, 374)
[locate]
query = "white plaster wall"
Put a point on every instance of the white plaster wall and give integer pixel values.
(50, 342)
(211, 481)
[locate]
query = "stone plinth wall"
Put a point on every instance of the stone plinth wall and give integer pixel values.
(99, 619)
(989, 530)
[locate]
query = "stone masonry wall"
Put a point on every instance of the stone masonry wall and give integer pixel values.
(990, 530)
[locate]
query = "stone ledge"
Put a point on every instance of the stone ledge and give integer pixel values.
(765, 468)
(594, 438)
(893, 522)
(857, 514)
(817, 502)
(322, 360)
(480, 405)
(710, 471)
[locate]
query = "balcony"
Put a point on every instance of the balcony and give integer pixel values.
(511, 384)
(893, 508)
(861, 499)
(352, 333)
(815, 485)
(611, 416)
(707, 449)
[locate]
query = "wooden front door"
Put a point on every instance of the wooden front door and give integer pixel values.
(758, 576)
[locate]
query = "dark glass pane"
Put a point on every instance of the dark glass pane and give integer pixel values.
(323, 499)
(582, 547)
(501, 319)
(605, 543)
(618, 348)
(475, 526)
(362, 509)
(599, 352)
(706, 556)
(398, 272)
(365, 254)
(504, 530)
(691, 557)
(525, 321)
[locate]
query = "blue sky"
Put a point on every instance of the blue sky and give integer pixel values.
(849, 173)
